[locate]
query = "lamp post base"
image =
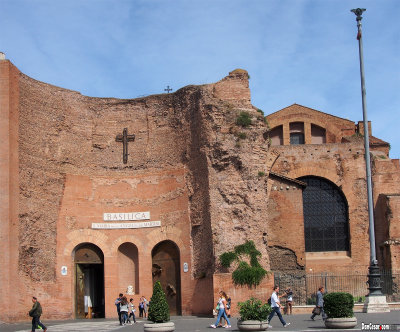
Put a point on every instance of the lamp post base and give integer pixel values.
(376, 303)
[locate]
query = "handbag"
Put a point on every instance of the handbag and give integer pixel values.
(217, 308)
(316, 311)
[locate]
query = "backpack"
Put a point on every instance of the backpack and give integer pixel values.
(269, 301)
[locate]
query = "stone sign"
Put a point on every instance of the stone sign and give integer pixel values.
(143, 224)
(126, 216)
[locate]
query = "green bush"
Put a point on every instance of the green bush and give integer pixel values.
(248, 275)
(261, 174)
(158, 309)
(242, 135)
(253, 309)
(227, 258)
(244, 274)
(339, 305)
(243, 119)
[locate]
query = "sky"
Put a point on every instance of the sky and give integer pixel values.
(297, 51)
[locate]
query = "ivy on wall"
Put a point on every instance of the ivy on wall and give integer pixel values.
(245, 273)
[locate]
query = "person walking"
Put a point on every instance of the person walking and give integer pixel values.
(221, 306)
(124, 308)
(35, 313)
(319, 308)
(132, 310)
(118, 304)
(276, 308)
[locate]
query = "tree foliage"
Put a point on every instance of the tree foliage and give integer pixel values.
(254, 309)
(245, 274)
(339, 305)
(158, 309)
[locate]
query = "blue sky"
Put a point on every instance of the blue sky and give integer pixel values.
(302, 51)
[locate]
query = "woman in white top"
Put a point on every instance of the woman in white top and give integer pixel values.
(124, 309)
(221, 310)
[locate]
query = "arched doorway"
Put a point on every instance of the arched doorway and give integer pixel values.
(166, 269)
(89, 281)
(128, 268)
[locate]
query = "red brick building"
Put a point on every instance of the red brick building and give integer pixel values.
(101, 195)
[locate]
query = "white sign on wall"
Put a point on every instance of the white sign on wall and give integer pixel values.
(143, 224)
(64, 270)
(185, 267)
(126, 216)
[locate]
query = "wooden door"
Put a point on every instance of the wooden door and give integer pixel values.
(80, 291)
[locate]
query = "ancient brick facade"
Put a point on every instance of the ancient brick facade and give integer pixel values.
(210, 182)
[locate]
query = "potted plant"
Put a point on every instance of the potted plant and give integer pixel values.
(253, 315)
(158, 312)
(339, 310)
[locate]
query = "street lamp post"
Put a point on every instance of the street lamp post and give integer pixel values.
(374, 277)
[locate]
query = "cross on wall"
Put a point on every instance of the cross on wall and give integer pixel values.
(125, 138)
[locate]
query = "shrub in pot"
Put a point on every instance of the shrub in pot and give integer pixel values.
(339, 310)
(253, 315)
(158, 312)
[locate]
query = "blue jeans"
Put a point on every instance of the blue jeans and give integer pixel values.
(276, 310)
(220, 313)
(124, 317)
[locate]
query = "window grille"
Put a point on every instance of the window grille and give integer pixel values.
(326, 225)
(296, 138)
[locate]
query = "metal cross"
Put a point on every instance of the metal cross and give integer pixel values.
(168, 89)
(125, 138)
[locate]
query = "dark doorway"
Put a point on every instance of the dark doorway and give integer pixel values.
(89, 281)
(166, 269)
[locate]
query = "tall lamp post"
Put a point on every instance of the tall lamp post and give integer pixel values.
(376, 301)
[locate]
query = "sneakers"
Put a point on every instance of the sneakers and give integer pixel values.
(286, 325)
(227, 326)
(213, 326)
(269, 326)
(312, 317)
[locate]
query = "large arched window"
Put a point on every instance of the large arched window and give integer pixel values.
(326, 224)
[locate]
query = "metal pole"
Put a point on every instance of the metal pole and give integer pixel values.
(374, 280)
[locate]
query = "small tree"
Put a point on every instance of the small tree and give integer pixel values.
(158, 309)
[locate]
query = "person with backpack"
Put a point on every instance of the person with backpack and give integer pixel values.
(118, 305)
(35, 313)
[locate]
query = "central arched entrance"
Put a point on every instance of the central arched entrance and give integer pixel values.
(89, 281)
(166, 269)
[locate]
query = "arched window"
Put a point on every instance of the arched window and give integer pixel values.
(326, 224)
(276, 135)
(296, 133)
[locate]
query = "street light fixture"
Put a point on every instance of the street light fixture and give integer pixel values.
(376, 301)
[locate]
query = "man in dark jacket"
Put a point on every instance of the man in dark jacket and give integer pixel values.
(35, 313)
(118, 304)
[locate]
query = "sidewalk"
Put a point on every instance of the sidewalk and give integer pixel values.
(201, 324)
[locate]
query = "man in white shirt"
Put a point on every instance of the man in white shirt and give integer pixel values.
(276, 307)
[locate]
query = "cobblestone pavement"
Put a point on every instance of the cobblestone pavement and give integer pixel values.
(202, 324)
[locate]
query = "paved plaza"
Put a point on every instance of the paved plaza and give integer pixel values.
(202, 324)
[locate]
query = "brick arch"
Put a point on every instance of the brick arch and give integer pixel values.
(314, 171)
(86, 236)
(171, 234)
(126, 239)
